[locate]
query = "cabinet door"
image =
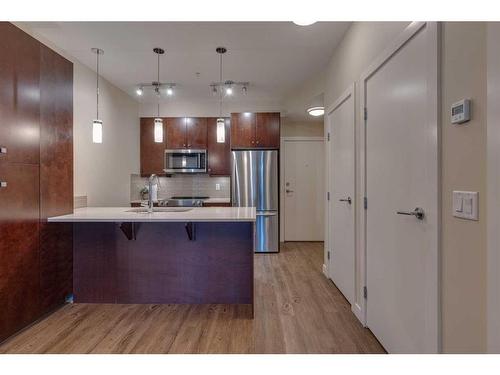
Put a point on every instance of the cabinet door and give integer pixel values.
(20, 94)
(243, 130)
(56, 178)
(196, 132)
(152, 153)
(267, 130)
(219, 154)
(19, 266)
(176, 132)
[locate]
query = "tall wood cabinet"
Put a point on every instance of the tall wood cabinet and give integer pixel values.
(219, 154)
(152, 153)
(255, 130)
(36, 178)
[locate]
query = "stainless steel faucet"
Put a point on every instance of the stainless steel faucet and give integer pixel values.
(151, 181)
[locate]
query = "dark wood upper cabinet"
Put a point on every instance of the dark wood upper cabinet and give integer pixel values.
(243, 130)
(267, 130)
(219, 154)
(152, 153)
(255, 130)
(176, 132)
(196, 132)
(19, 95)
(186, 132)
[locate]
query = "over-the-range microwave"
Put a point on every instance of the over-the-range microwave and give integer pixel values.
(186, 161)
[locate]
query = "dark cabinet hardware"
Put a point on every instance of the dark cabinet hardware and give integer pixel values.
(191, 231)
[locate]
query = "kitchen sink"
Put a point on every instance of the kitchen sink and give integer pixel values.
(160, 209)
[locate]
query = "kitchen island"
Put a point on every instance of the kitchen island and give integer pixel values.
(201, 255)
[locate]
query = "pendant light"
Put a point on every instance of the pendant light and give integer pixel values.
(221, 122)
(97, 123)
(158, 122)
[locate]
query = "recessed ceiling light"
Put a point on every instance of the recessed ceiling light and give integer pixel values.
(304, 23)
(316, 111)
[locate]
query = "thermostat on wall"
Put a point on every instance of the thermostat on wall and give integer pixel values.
(460, 111)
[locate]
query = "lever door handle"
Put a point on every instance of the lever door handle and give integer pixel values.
(289, 191)
(348, 200)
(417, 212)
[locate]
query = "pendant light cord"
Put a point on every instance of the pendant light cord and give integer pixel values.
(220, 90)
(158, 85)
(97, 79)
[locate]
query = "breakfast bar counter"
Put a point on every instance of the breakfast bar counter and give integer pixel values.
(201, 255)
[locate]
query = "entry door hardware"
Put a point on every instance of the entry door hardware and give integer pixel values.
(365, 292)
(328, 196)
(348, 200)
(417, 212)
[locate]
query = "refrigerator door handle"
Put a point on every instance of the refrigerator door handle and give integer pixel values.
(274, 213)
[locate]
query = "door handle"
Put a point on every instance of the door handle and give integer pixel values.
(348, 200)
(417, 212)
(288, 191)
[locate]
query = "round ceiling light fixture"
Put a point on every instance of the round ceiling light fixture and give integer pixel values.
(304, 23)
(316, 111)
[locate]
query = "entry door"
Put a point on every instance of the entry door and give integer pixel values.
(401, 179)
(304, 190)
(341, 127)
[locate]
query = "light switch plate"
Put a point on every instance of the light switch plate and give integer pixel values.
(465, 205)
(217, 186)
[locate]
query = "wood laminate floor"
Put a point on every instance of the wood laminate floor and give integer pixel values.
(297, 311)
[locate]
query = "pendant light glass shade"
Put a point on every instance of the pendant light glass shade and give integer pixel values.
(158, 130)
(221, 130)
(97, 124)
(97, 131)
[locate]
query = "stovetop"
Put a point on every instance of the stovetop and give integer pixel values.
(186, 197)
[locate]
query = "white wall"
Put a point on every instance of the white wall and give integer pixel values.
(463, 163)
(493, 186)
(102, 171)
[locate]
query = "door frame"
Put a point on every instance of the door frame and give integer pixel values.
(350, 92)
(433, 277)
(283, 141)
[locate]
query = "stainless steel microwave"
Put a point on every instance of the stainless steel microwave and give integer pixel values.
(185, 161)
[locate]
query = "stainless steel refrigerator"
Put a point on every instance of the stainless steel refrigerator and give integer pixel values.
(254, 181)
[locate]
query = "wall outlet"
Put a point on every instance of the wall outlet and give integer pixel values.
(217, 186)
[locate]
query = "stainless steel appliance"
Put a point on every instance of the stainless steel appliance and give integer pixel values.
(185, 161)
(183, 201)
(254, 181)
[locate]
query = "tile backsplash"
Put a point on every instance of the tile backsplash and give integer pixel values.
(186, 185)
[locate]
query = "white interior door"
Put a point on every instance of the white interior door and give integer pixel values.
(401, 175)
(303, 190)
(342, 168)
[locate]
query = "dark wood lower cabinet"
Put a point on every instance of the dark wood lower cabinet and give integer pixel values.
(19, 244)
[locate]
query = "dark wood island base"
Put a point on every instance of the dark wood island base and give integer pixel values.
(164, 262)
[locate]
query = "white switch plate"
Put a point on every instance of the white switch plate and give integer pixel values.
(465, 205)
(217, 186)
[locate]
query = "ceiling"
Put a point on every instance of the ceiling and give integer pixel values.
(275, 57)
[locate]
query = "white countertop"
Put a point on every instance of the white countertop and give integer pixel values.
(122, 214)
(208, 200)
